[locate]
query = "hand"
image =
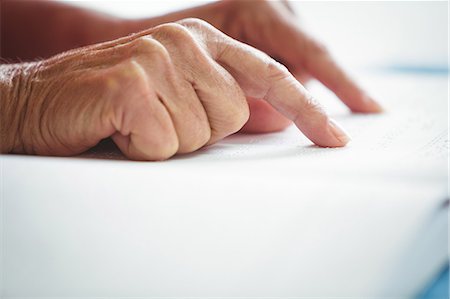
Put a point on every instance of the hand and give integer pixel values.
(171, 89)
(272, 27)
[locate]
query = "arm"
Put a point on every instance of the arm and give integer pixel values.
(52, 27)
(40, 29)
(11, 105)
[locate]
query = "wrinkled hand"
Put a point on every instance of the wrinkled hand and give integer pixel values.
(272, 27)
(171, 89)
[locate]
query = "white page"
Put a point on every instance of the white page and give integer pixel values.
(259, 215)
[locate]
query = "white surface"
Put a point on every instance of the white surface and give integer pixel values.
(256, 215)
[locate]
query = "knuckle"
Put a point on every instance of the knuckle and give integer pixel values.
(180, 39)
(311, 104)
(127, 76)
(143, 43)
(149, 47)
(313, 109)
(126, 86)
(276, 75)
(194, 23)
(189, 49)
(174, 32)
(276, 71)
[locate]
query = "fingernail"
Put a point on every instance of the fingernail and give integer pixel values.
(339, 132)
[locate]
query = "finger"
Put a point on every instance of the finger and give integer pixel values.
(175, 93)
(144, 128)
(188, 115)
(223, 99)
(218, 92)
(319, 63)
(260, 76)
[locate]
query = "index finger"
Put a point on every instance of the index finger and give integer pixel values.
(260, 76)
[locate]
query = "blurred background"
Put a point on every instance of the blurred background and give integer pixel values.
(400, 36)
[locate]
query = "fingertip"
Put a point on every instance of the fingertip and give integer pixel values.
(339, 133)
(376, 106)
(367, 105)
(325, 132)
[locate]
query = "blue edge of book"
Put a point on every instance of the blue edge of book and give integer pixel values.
(438, 288)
